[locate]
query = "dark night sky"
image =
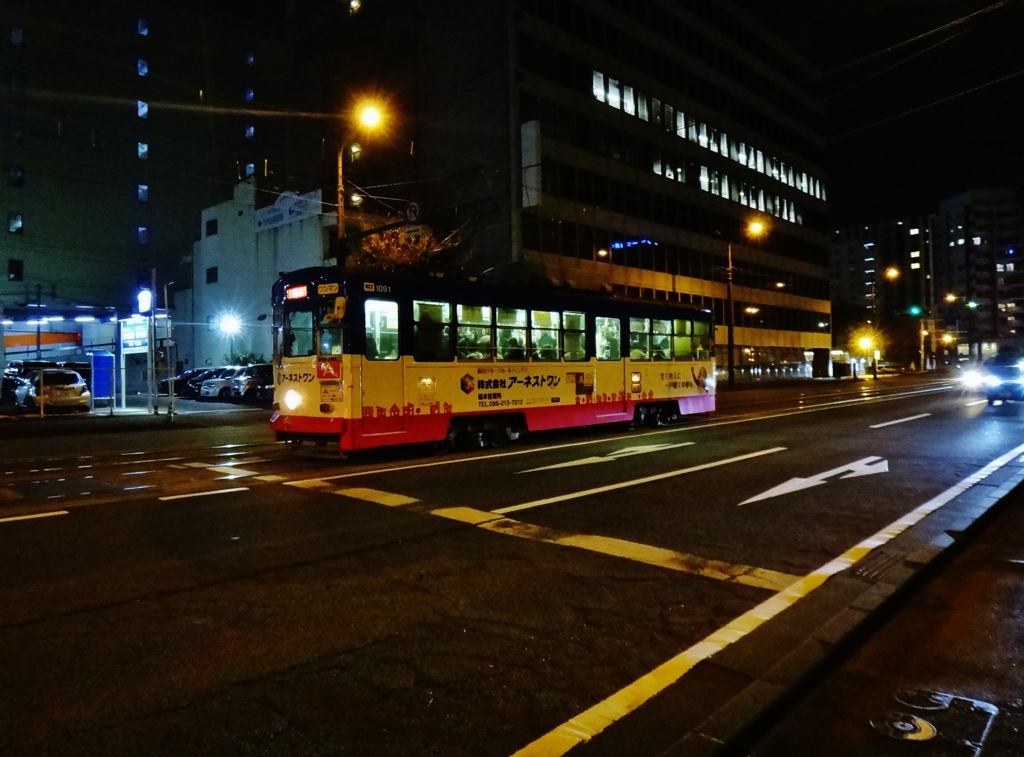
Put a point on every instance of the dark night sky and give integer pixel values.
(909, 161)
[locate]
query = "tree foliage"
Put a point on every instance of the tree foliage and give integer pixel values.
(394, 250)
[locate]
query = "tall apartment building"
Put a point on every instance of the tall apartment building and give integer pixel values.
(119, 123)
(960, 266)
(883, 269)
(601, 145)
(982, 244)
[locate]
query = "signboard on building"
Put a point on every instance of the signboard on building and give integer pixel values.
(289, 208)
(134, 336)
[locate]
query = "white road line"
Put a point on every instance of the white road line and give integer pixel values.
(31, 517)
(613, 439)
(231, 471)
(976, 402)
(901, 420)
(589, 723)
(635, 481)
(204, 494)
(611, 457)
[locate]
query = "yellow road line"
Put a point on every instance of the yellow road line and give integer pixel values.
(591, 722)
(309, 483)
(32, 517)
(270, 477)
(628, 550)
(636, 481)
(373, 495)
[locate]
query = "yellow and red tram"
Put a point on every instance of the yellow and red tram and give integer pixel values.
(373, 359)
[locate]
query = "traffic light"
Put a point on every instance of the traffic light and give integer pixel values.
(144, 293)
(915, 310)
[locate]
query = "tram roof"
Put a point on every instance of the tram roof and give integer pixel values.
(476, 290)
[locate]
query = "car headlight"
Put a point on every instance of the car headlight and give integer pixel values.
(292, 399)
(992, 381)
(972, 379)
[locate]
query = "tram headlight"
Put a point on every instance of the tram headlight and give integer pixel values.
(292, 399)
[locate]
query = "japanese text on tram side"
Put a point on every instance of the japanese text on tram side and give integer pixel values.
(511, 382)
(297, 378)
(494, 400)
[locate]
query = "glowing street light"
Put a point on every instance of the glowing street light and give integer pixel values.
(370, 116)
(229, 325)
(755, 229)
(367, 116)
(892, 273)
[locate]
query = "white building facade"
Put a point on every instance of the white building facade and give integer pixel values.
(242, 251)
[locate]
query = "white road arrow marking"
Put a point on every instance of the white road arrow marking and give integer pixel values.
(625, 452)
(866, 467)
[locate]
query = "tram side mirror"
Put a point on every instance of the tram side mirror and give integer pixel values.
(339, 311)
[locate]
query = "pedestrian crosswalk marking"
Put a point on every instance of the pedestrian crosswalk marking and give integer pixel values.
(606, 545)
(373, 495)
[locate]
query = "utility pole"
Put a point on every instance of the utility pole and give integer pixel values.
(151, 341)
(730, 318)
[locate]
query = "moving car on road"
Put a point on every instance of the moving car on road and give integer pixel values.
(1000, 379)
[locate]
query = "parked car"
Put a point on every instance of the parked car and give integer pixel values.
(194, 384)
(254, 384)
(180, 382)
(218, 386)
(60, 388)
(9, 388)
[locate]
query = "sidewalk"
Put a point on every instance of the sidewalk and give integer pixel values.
(17, 423)
(944, 673)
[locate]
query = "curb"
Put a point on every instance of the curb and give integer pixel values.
(728, 701)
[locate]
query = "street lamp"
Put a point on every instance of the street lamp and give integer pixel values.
(754, 230)
(367, 116)
(866, 343)
(228, 326)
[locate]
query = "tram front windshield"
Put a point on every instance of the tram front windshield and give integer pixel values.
(310, 330)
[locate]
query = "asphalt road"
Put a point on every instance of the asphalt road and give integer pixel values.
(202, 590)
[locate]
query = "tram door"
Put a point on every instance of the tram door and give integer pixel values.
(612, 379)
(382, 380)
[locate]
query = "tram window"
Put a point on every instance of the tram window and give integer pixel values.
(332, 327)
(682, 341)
(661, 340)
(474, 334)
(381, 329)
(544, 334)
(703, 341)
(573, 337)
(608, 339)
(639, 339)
(297, 339)
(432, 331)
(330, 335)
(511, 334)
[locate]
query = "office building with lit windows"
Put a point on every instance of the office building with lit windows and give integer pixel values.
(569, 143)
(119, 123)
(604, 145)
